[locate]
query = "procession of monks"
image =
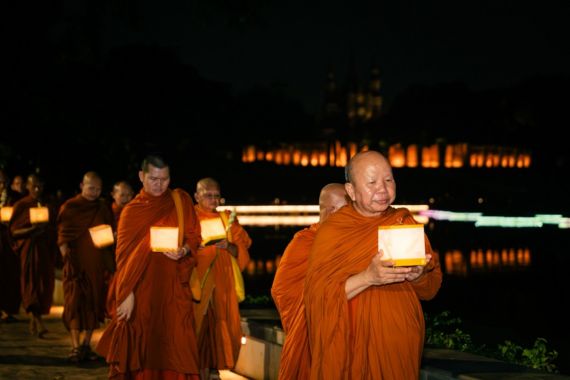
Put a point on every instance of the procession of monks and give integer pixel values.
(347, 313)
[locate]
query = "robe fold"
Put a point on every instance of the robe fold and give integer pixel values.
(219, 339)
(10, 297)
(287, 292)
(84, 267)
(159, 337)
(379, 334)
(38, 255)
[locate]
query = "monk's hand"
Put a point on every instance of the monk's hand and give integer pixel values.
(417, 271)
(177, 254)
(383, 272)
(125, 309)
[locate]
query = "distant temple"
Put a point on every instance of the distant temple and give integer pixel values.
(349, 117)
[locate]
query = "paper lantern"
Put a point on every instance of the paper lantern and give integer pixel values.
(39, 215)
(402, 244)
(213, 230)
(163, 239)
(102, 235)
(6, 213)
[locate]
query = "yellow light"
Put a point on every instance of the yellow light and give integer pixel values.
(243, 340)
(102, 235)
(163, 239)
(212, 230)
(6, 213)
(39, 215)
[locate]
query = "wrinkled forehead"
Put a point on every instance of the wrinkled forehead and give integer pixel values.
(209, 189)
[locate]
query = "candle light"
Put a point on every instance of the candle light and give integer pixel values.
(212, 230)
(6, 213)
(402, 244)
(163, 239)
(39, 215)
(102, 235)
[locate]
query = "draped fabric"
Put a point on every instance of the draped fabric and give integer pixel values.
(382, 338)
(38, 254)
(220, 333)
(84, 266)
(287, 292)
(160, 334)
(10, 297)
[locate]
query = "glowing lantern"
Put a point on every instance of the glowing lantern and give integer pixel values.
(163, 239)
(39, 215)
(102, 235)
(6, 213)
(213, 230)
(402, 244)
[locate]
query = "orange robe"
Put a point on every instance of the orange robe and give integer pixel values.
(287, 292)
(159, 338)
(382, 336)
(220, 335)
(84, 267)
(38, 254)
(10, 296)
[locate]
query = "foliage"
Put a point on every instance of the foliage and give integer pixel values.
(257, 301)
(442, 331)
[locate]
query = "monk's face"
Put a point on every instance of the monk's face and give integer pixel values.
(155, 181)
(331, 203)
(34, 187)
(17, 184)
(208, 198)
(122, 194)
(372, 188)
(90, 188)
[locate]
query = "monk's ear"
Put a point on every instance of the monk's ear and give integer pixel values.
(350, 190)
(141, 176)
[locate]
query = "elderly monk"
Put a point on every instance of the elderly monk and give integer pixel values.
(219, 337)
(36, 245)
(287, 289)
(122, 194)
(151, 335)
(364, 316)
(84, 267)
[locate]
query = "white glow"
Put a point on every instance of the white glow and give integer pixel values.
(506, 221)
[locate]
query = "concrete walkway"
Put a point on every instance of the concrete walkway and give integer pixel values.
(23, 356)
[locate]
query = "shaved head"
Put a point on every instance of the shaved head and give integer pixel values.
(91, 186)
(208, 194)
(206, 184)
(370, 183)
(333, 197)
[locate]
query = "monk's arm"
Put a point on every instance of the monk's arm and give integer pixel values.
(377, 273)
(427, 285)
(27, 231)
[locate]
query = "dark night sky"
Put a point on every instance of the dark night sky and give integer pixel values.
(485, 44)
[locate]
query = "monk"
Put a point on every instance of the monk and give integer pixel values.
(10, 297)
(151, 335)
(219, 336)
(36, 246)
(287, 289)
(83, 265)
(364, 316)
(122, 194)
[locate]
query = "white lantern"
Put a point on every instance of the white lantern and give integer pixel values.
(102, 235)
(6, 213)
(39, 215)
(403, 245)
(163, 239)
(212, 230)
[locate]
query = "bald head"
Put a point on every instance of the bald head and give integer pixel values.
(91, 186)
(122, 193)
(333, 197)
(370, 183)
(208, 194)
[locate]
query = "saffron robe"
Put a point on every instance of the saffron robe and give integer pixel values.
(38, 253)
(287, 292)
(383, 336)
(10, 297)
(219, 339)
(160, 334)
(84, 267)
